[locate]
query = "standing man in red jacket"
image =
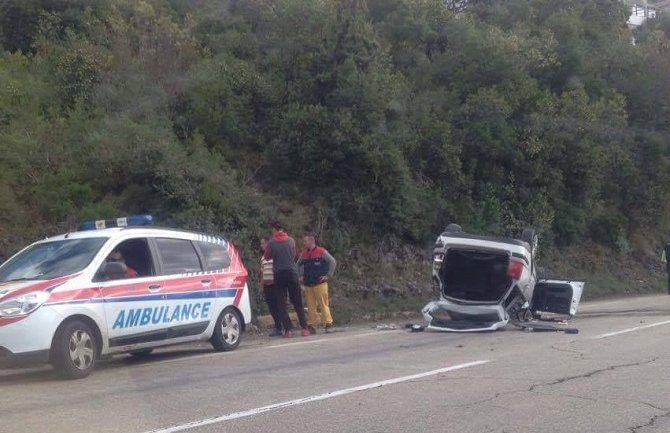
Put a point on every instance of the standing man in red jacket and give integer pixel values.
(281, 250)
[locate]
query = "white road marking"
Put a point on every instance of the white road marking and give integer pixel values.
(304, 400)
(625, 331)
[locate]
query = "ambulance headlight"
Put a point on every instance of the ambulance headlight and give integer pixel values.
(23, 304)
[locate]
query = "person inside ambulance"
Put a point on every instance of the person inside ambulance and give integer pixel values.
(117, 257)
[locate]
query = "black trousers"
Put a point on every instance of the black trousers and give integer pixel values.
(286, 283)
(270, 294)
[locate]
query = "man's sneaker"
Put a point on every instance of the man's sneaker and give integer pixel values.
(312, 330)
(329, 328)
(288, 334)
(305, 332)
(275, 333)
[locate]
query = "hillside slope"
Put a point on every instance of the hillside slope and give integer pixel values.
(373, 122)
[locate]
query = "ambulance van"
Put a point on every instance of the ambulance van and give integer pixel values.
(119, 286)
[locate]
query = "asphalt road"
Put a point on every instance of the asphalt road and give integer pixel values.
(614, 376)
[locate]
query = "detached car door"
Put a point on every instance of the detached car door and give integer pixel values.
(557, 297)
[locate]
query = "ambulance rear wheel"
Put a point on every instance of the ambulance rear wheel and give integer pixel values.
(74, 350)
(228, 331)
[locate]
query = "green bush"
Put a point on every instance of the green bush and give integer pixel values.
(607, 227)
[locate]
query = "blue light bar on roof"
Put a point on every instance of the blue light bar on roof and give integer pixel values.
(134, 220)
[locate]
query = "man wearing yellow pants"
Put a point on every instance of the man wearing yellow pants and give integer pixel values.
(316, 267)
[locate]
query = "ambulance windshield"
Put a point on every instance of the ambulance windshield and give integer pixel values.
(48, 260)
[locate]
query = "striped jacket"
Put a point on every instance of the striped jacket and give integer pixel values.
(266, 272)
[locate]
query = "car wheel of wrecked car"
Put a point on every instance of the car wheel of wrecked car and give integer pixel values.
(530, 237)
(453, 228)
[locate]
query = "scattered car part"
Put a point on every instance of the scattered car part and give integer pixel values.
(391, 327)
(534, 326)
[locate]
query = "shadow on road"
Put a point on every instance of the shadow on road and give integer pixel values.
(22, 376)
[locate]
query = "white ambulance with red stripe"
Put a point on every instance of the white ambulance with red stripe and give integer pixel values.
(119, 286)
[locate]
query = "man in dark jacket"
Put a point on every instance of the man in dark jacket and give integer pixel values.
(281, 250)
(269, 292)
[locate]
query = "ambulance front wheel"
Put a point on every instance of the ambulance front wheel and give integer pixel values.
(74, 350)
(228, 330)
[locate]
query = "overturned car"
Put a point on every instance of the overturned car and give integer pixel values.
(485, 282)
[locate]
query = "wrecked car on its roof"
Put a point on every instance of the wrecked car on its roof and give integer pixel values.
(484, 282)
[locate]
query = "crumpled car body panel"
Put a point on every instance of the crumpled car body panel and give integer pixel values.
(444, 315)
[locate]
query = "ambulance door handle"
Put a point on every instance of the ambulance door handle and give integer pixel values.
(154, 288)
(206, 282)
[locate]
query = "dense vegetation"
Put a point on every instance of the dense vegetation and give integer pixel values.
(365, 119)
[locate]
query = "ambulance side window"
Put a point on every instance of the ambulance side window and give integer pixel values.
(136, 255)
(216, 256)
(178, 256)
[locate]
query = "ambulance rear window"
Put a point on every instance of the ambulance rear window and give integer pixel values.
(216, 256)
(178, 256)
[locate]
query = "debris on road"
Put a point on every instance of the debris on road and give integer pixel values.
(391, 327)
(533, 326)
(417, 328)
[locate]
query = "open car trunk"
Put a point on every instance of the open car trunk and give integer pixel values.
(475, 275)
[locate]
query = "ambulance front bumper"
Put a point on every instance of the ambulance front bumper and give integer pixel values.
(27, 340)
(8, 359)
